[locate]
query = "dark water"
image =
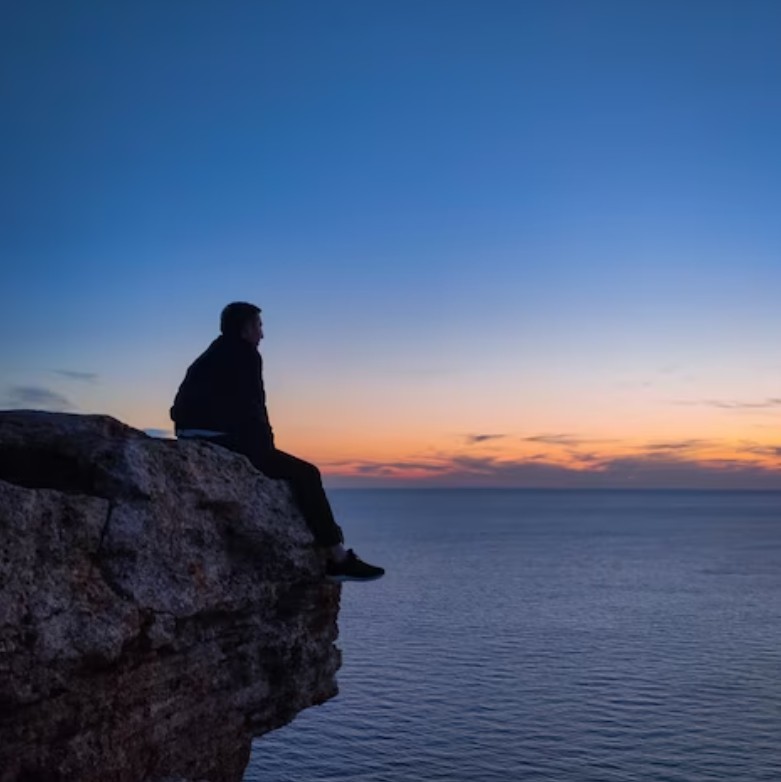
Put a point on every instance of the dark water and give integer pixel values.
(551, 636)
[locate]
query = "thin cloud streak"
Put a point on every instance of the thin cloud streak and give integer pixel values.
(731, 405)
(679, 445)
(564, 439)
(762, 450)
(38, 398)
(86, 377)
(473, 439)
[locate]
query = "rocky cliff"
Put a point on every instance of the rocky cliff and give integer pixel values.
(160, 604)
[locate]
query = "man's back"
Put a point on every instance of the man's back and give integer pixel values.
(223, 391)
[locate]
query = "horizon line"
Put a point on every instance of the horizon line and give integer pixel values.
(552, 488)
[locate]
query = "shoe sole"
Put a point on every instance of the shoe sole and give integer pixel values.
(342, 579)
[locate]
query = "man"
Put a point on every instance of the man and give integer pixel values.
(222, 400)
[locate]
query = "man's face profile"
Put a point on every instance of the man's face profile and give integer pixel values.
(253, 330)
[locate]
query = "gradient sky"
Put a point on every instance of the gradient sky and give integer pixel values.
(495, 242)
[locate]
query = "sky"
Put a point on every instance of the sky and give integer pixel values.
(496, 243)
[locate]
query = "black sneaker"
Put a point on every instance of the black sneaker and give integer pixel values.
(352, 568)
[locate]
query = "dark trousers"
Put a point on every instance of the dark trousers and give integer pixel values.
(305, 483)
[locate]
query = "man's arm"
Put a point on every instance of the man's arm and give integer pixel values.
(251, 398)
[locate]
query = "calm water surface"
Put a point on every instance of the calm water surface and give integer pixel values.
(535, 635)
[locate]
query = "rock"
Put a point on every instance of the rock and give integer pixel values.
(161, 603)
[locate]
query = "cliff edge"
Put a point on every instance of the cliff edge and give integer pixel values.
(161, 603)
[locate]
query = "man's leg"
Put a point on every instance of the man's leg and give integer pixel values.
(305, 481)
(307, 486)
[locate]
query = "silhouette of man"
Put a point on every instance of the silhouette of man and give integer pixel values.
(222, 400)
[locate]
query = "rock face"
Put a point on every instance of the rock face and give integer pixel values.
(160, 604)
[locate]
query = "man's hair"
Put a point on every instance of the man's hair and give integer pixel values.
(235, 316)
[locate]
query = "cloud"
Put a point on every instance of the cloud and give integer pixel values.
(564, 439)
(161, 433)
(669, 471)
(771, 402)
(461, 471)
(553, 439)
(38, 398)
(761, 450)
(372, 468)
(677, 445)
(472, 439)
(386, 468)
(733, 405)
(584, 458)
(87, 377)
(655, 470)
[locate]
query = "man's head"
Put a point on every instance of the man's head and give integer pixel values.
(240, 319)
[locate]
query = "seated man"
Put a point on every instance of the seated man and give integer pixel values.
(222, 399)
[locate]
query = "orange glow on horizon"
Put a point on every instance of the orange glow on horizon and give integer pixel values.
(354, 447)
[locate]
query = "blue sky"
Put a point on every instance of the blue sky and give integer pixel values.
(458, 217)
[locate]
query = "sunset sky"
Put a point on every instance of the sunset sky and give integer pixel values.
(496, 242)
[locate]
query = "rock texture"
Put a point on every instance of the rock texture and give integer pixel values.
(160, 604)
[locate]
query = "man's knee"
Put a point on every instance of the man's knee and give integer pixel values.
(284, 465)
(300, 468)
(312, 472)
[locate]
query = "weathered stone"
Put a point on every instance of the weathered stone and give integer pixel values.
(160, 604)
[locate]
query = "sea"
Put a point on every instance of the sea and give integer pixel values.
(583, 636)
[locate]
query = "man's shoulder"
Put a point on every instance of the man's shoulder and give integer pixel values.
(211, 351)
(233, 351)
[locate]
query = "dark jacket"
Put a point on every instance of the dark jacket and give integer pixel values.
(223, 391)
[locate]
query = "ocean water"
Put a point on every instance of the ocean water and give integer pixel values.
(540, 635)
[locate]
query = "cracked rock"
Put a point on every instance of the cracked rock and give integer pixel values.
(161, 603)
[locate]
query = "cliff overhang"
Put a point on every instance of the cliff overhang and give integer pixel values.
(161, 603)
